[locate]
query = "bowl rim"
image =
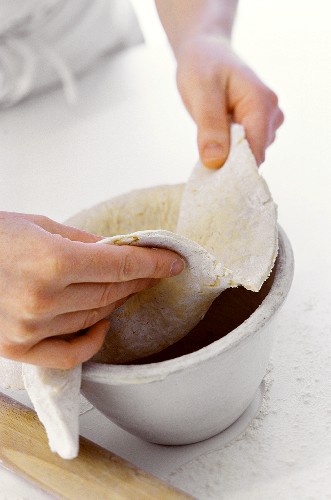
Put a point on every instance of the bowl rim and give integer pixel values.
(152, 372)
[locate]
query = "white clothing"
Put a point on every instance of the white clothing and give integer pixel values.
(44, 42)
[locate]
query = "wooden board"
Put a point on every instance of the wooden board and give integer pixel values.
(95, 473)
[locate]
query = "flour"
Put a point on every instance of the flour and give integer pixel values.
(208, 471)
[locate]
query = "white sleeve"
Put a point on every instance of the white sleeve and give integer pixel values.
(47, 42)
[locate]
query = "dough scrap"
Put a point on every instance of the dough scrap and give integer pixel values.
(55, 395)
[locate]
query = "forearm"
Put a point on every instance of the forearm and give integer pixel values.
(215, 84)
(183, 19)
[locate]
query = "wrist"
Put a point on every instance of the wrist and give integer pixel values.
(200, 31)
(185, 20)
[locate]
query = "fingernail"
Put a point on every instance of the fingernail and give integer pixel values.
(177, 267)
(213, 154)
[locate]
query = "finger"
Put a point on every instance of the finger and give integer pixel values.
(260, 119)
(66, 353)
(277, 121)
(63, 230)
(73, 322)
(111, 263)
(208, 107)
(86, 296)
(257, 134)
(260, 131)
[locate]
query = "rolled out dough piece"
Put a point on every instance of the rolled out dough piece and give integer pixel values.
(230, 213)
(152, 320)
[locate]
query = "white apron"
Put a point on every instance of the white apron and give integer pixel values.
(47, 42)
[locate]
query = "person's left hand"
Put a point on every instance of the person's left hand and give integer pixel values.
(217, 88)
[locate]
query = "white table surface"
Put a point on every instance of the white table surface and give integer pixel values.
(129, 130)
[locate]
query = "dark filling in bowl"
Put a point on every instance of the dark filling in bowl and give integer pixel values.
(225, 314)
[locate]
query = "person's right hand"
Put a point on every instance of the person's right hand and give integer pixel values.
(54, 281)
(217, 87)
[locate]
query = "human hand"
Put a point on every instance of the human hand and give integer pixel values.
(217, 88)
(54, 281)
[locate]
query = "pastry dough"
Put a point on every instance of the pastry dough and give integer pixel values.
(227, 233)
(55, 395)
(152, 320)
(230, 212)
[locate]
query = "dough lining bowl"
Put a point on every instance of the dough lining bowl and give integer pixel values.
(198, 387)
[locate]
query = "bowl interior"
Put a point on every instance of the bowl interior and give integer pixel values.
(226, 313)
(237, 311)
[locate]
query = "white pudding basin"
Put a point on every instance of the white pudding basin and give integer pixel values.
(199, 386)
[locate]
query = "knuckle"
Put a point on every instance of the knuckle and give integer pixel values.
(273, 98)
(40, 219)
(107, 295)
(144, 284)
(50, 265)
(280, 117)
(12, 350)
(270, 97)
(6, 351)
(262, 97)
(69, 360)
(127, 266)
(37, 304)
(199, 74)
(91, 318)
(157, 267)
(27, 331)
(53, 266)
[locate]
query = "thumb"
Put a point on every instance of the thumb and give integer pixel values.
(211, 117)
